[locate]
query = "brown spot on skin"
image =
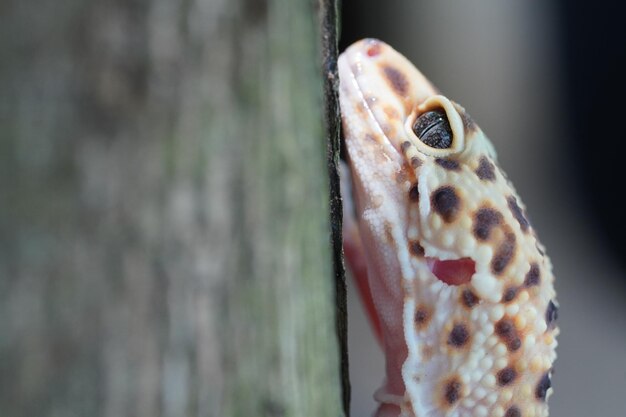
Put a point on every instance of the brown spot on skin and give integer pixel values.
(504, 254)
(391, 113)
(414, 194)
(445, 201)
(513, 411)
(485, 171)
(416, 162)
(486, 219)
(514, 344)
(427, 352)
(552, 313)
(458, 336)
(507, 332)
(452, 391)
(448, 164)
(389, 232)
(533, 277)
(397, 80)
(543, 386)
(401, 176)
(504, 327)
(469, 298)
(509, 294)
(370, 138)
(422, 317)
(518, 213)
(405, 145)
(506, 376)
(415, 248)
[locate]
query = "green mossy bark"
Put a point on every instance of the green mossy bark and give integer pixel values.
(164, 230)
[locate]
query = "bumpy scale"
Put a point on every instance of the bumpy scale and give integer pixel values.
(458, 285)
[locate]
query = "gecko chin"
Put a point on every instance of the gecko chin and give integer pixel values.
(452, 271)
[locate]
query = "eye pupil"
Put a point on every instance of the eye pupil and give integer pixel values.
(433, 128)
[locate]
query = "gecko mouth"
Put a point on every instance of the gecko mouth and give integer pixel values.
(452, 271)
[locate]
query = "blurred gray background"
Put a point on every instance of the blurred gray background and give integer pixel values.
(532, 75)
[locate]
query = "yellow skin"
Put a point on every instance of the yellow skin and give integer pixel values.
(460, 286)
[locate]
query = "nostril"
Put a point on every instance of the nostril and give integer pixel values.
(453, 271)
(374, 50)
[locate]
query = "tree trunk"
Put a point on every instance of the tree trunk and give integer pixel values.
(164, 234)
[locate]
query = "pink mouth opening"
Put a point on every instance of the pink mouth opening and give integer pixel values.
(453, 271)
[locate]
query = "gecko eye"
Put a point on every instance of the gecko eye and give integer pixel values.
(433, 129)
(437, 127)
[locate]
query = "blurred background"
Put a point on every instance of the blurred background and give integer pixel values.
(544, 80)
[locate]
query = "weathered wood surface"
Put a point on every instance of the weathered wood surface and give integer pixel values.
(164, 231)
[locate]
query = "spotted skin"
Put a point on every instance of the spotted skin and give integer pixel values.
(460, 287)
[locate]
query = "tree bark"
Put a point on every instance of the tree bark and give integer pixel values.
(164, 228)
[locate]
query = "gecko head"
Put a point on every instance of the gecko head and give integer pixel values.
(432, 148)
(461, 212)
